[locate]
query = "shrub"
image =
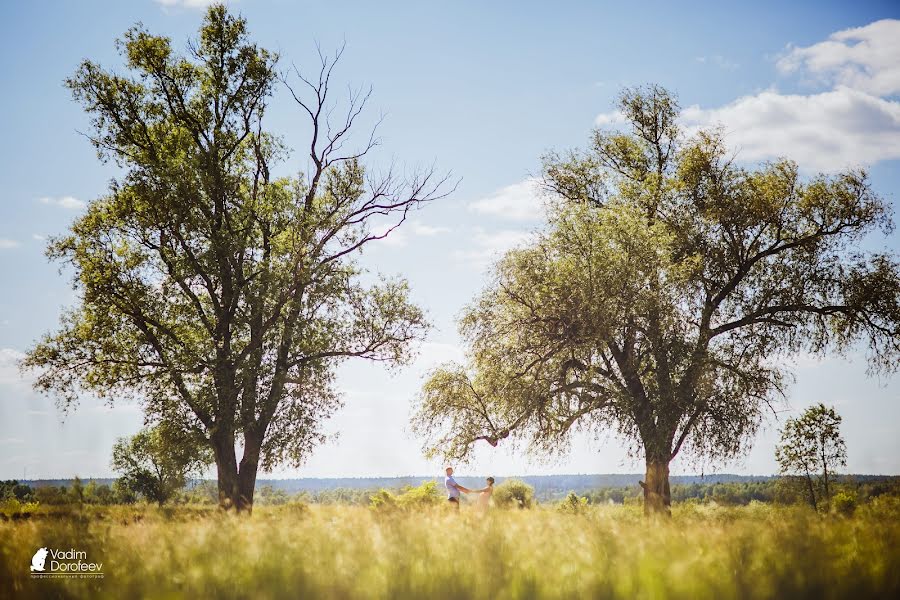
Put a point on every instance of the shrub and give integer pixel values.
(844, 503)
(16, 509)
(420, 496)
(383, 500)
(513, 493)
(409, 498)
(573, 504)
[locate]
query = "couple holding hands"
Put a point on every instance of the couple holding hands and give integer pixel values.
(454, 489)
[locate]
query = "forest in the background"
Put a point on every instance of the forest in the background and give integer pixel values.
(722, 489)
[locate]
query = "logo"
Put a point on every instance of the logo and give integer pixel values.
(38, 560)
(70, 563)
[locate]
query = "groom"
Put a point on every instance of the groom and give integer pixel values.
(453, 488)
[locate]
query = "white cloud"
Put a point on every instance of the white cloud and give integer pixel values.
(38, 237)
(400, 237)
(519, 201)
(863, 58)
(827, 131)
(68, 202)
(395, 239)
(855, 123)
(7, 243)
(610, 119)
(489, 246)
(421, 229)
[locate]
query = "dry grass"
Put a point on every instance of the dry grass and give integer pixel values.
(757, 551)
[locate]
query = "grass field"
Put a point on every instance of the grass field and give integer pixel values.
(704, 551)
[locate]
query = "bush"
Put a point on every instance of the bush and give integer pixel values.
(383, 500)
(513, 493)
(419, 497)
(269, 496)
(16, 509)
(844, 503)
(573, 504)
(409, 498)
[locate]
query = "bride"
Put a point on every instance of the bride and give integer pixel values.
(484, 495)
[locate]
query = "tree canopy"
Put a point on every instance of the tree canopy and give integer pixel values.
(812, 449)
(156, 462)
(663, 296)
(220, 296)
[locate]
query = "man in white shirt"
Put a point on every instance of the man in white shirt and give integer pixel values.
(453, 488)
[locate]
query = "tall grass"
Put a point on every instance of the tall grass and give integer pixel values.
(757, 551)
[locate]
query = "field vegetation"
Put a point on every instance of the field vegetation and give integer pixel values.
(424, 550)
(405, 543)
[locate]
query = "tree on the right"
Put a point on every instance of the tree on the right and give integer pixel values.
(663, 299)
(812, 450)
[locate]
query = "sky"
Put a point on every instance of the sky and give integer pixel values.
(480, 90)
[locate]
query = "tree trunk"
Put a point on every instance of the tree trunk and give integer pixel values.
(812, 492)
(247, 474)
(226, 471)
(236, 486)
(657, 496)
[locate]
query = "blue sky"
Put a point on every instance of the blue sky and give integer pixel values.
(482, 90)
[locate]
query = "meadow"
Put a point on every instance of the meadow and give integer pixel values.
(300, 551)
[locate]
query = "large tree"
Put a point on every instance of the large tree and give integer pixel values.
(662, 298)
(220, 296)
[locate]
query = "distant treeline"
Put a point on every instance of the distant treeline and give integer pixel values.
(541, 483)
(595, 489)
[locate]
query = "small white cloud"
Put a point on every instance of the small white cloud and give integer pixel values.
(7, 243)
(610, 119)
(400, 237)
(395, 239)
(519, 202)
(863, 58)
(38, 237)
(421, 229)
(68, 202)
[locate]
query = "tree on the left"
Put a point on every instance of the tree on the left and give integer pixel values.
(219, 296)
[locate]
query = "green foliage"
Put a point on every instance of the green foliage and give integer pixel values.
(220, 297)
(811, 449)
(270, 496)
(13, 508)
(419, 497)
(844, 503)
(122, 493)
(513, 493)
(409, 498)
(751, 552)
(12, 489)
(573, 504)
(383, 500)
(666, 279)
(155, 463)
